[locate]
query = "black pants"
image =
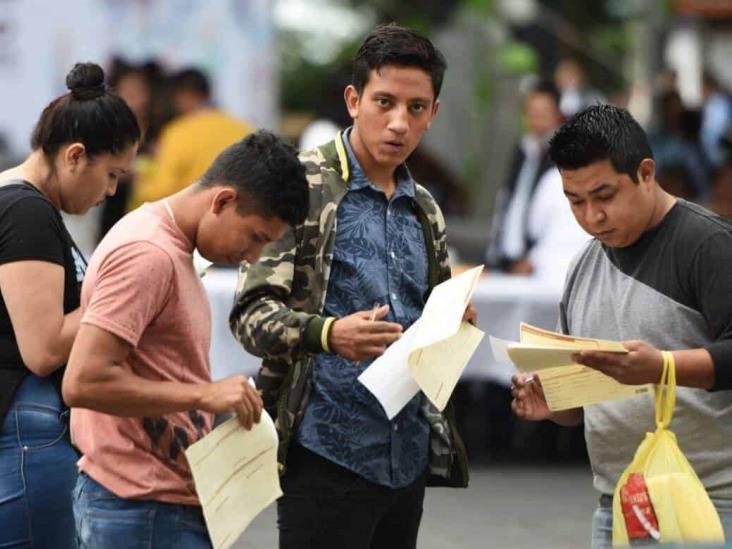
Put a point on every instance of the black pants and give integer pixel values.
(326, 506)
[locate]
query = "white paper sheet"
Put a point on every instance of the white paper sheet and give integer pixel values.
(388, 378)
(391, 377)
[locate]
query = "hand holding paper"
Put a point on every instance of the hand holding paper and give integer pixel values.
(528, 398)
(364, 334)
(643, 363)
(236, 477)
(566, 384)
(432, 353)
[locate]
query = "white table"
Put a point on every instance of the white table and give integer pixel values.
(502, 303)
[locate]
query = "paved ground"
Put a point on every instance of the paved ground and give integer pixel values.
(506, 506)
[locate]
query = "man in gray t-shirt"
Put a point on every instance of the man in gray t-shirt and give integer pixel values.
(655, 277)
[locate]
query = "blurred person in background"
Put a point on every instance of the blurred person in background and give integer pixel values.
(676, 180)
(318, 132)
(7, 158)
(554, 232)
(141, 87)
(721, 200)
(191, 141)
(513, 233)
(716, 120)
(330, 113)
(665, 81)
(83, 143)
(437, 177)
(576, 92)
(675, 149)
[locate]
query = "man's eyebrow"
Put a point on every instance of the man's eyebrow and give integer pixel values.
(600, 188)
(595, 191)
(390, 96)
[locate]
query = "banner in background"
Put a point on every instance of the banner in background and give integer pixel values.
(233, 41)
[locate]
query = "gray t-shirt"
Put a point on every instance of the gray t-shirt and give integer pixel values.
(673, 289)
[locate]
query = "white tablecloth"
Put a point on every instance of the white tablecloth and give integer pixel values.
(502, 303)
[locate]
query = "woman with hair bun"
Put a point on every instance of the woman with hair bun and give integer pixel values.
(81, 145)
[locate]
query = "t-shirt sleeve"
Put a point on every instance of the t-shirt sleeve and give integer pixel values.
(30, 230)
(712, 286)
(130, 288)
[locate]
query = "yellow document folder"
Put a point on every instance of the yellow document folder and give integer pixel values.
(437, 368)
(566, 384)
(236, 477)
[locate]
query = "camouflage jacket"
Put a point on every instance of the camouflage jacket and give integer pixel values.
(277, 313)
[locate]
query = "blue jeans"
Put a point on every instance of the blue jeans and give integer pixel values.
(602, 525)
(104, 520)
(37, 470)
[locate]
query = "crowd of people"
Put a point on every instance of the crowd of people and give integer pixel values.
(106, 377)
(531, 231)
(182, 132)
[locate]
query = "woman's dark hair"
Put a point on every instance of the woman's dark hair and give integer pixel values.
(601, 132)
(395, 45)
(88, 114)
(267, 172)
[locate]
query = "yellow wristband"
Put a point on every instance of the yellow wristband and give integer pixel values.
(325, 333)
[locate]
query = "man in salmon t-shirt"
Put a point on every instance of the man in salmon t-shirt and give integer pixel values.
(138, 377)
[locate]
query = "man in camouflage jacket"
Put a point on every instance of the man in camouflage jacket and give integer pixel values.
(279, 302)
(371, 234)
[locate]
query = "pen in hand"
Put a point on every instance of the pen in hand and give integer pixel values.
(372, 318)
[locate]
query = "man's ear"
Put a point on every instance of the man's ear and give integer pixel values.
(223, 198)
(647, 170)
(353, 100)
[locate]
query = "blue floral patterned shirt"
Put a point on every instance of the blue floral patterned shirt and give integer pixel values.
(380, 256)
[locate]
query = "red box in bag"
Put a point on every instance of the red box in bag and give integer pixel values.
(640, 519)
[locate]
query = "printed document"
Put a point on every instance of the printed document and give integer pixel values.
(566, 384)
(432, 353)
(236, 477)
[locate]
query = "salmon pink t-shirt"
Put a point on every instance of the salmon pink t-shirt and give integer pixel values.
(142, 287)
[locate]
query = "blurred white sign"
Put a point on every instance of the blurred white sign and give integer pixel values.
(234, 42)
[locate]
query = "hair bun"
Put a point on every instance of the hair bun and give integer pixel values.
(86, 81)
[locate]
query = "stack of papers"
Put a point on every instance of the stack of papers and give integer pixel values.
(566, 384)
(236, 477)
(432, 353)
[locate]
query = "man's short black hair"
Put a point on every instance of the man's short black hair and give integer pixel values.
(191, 80)
(268, 174)
(395, 45)
(601, 132)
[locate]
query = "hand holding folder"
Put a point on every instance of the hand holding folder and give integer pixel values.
(565, 383)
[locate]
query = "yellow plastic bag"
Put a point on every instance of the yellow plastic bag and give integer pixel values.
(683, 510)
